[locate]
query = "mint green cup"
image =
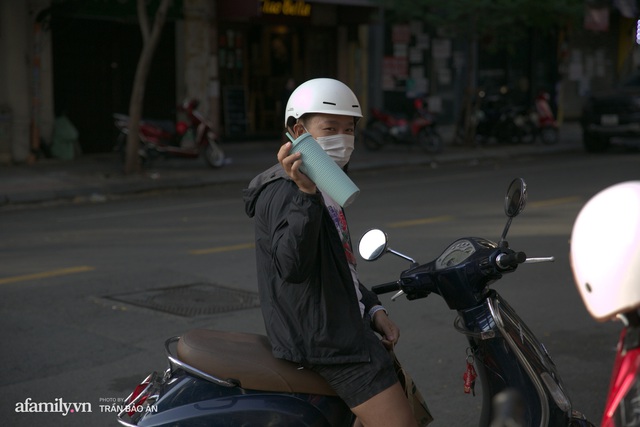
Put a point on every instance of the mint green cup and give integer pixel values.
(322, 170)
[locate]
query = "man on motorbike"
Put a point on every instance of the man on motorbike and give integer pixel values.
(316, 311)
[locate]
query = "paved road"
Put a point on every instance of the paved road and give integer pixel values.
(68, 273)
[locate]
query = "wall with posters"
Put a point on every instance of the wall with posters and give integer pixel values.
(417, 64)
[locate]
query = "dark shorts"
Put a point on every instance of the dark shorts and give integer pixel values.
(356, 383)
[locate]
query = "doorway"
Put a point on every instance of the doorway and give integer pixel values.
(93, 70)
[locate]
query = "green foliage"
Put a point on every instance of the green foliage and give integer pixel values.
(125, 10)
(492, 22)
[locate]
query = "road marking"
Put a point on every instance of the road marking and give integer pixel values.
(219, 249)
(555, 202)
(150, 211)
(46, 274)
(420, 221)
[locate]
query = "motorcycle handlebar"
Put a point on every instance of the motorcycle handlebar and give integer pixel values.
(385, 288)
(511, 260)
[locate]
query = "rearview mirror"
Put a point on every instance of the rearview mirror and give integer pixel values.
(516, 198)
(373, 245)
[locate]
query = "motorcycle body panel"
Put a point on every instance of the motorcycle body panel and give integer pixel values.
(180, 398)
(623, 400)
(509, 356)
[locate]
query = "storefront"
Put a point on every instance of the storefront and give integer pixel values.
(263, 45)
(236, 57)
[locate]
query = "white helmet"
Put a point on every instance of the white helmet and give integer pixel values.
(322, 96)
(605, 251)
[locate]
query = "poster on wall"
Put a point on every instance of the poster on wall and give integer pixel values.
(395, 71)
(401, 34)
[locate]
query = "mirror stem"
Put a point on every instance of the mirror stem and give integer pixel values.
(506, 230)
(402, 256)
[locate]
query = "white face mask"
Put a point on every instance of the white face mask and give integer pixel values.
(338, 147)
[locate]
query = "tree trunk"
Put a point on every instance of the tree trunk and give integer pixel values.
(150, 41)
(470, 101)
(465, 133)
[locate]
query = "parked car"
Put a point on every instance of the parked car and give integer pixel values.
(612, 114)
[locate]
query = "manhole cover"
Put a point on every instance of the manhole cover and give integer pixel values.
(198, 299)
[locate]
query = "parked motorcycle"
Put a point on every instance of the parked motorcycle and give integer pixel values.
(609, 287)
(503, 352)
(499, 120)
(488, 116)
(190, 138)
(389, 128)
(544, 119)
(523, 124)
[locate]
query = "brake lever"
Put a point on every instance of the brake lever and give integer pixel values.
(397, 295)
(540, 259)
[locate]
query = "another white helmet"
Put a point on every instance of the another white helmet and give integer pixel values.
(605, 251)
(322, 96)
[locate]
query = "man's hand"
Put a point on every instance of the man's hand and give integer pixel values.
(385, 327)
(291, 164)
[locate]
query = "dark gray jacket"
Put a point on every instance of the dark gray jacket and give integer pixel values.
(309, 303)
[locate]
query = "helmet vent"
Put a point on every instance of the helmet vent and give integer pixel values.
(329, 103)
(588, 286)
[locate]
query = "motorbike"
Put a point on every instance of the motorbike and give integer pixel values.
(624, 389)
(231, 378)
(503, 352)
(388, 128)
(497, 119)
(522, 124)
(190, 138)
(489, 117)
(492, 119)
(545, 122)
(219, 378)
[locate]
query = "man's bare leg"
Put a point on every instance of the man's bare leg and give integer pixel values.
(389, 408)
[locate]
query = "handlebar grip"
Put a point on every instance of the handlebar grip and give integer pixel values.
(385, 288)
(511, 260)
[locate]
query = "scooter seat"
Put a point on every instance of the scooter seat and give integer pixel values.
(247, 359)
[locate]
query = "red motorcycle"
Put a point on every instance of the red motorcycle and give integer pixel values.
(389, 128)
(544, 119)
(190, 138)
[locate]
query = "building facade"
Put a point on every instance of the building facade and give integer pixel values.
(77, 58)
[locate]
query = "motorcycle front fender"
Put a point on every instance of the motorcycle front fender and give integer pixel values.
(509, 356)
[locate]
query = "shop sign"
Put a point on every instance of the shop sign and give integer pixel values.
(286, 7)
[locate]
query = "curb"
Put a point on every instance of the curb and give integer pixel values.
(96, 178)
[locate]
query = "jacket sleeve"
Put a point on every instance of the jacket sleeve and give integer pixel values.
(369, 298)
(294, 219)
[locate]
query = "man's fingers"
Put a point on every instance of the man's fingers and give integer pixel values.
(284, 151)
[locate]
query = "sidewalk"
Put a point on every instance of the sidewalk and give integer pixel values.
(97, 177)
